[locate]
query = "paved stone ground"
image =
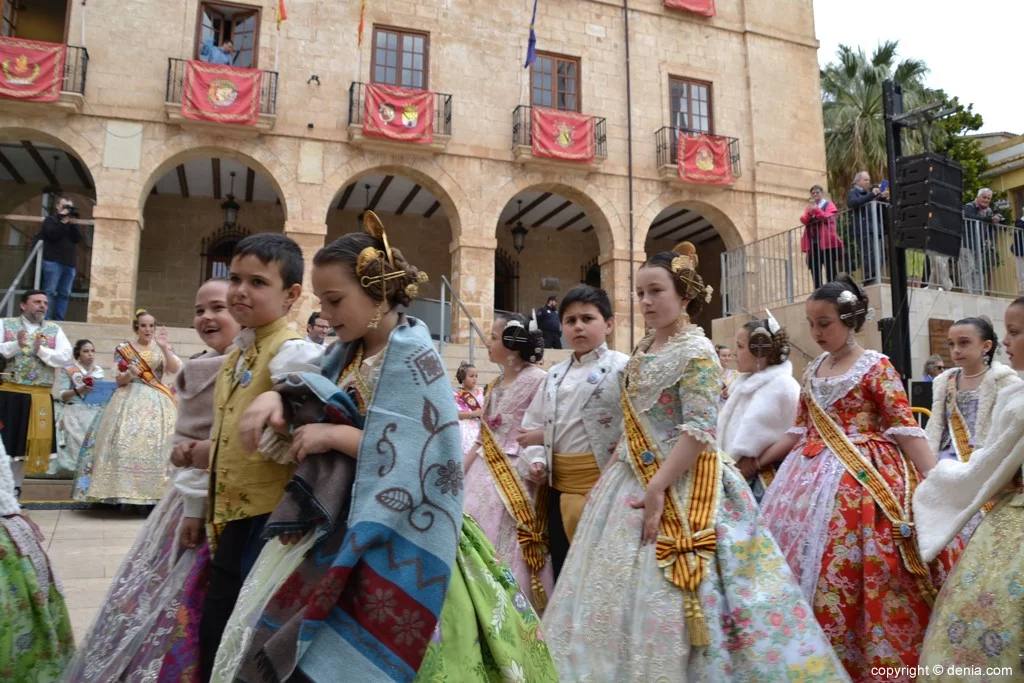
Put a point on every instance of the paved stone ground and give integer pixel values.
(86, 548)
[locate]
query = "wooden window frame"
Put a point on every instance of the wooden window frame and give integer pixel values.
(3, 6)
(398, 67)
(711, 102)
(67, 17)
(554, 79)
(258, 11)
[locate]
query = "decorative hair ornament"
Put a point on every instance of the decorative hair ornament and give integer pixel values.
(684, 266)
(847, 298)
(514, 334)
(773, 324)
(375, 229)
(412, 290)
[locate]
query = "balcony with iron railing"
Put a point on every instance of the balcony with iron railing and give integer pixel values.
(787, 267)
(72, 91)
(175, 91)
(666, 144)
(440, 131)
(525, 152)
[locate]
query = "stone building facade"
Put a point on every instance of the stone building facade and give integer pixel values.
(155, 182)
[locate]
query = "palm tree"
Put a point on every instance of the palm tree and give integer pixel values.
(851, 98)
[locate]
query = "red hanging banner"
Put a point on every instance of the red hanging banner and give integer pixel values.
(562, 135)
(221, 93)
(399, 113)
(704, 159)
(31, 70)
(705, 7)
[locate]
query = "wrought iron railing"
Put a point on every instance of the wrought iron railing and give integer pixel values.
(666, 144)
(176, 81)
(522, 131)
(442, 108)
(787, 267)
(76, 68)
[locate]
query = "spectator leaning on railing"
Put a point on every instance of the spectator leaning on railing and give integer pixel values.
(866, 233)
(820, 240)
(980, 235)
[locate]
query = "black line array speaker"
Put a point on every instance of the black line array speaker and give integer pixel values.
(928, 195)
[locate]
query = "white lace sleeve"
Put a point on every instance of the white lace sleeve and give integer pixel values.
(914, 432)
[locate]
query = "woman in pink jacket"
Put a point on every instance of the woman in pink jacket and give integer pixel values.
(820, 240)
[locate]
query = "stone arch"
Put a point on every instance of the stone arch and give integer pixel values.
(182, 148)
(724, 225)
(601, 212)
(65, 138)
(428, 173)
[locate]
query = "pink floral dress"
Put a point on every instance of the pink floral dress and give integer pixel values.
(504, 412)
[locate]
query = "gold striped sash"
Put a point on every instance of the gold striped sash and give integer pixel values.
(958, 426)
(901, 515)
(146, 374)
(685, 543)
(531, 521)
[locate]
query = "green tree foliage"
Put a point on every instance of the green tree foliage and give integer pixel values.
(950, 138)
(851, 97)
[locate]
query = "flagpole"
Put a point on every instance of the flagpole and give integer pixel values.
(277, 46)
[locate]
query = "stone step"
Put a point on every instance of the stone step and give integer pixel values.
(46, 490)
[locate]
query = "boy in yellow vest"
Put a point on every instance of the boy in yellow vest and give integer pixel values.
(246, 485)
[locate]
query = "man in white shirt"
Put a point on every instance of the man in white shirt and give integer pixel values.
(317, 330)
(32, 348)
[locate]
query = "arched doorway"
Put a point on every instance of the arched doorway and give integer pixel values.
(412, 209)
(194, 215)
(683, 223)
(552, 240)
(34, 172)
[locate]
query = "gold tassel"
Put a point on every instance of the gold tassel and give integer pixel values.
(540, 598)
(696, 626)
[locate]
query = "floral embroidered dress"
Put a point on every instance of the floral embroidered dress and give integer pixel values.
(35, 630)
(836, 538)
(503, 412)
(73, 418)
(123, 456)
(967, 403)
(616, 617)
(488, 630)
(467, 402)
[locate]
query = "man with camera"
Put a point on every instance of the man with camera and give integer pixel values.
(60, 238)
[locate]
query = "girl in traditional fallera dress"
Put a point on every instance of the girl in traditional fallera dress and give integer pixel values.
(35, 631)
(124, 455)
(378, 491)
(138, 622)
(72, 414)
(978, 620)
(763, 402)
(963, 397)
(839, 506)
(671, 575)
(469, 399)
(497, 496)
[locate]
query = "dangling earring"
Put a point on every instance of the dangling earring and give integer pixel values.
(852, 339)
(378, 314)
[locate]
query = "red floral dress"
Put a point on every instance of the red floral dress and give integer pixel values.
(834, 535)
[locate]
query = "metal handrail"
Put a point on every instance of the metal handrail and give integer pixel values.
(445, 287)
(7, 303)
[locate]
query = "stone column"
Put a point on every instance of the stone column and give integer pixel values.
(114, 269)
(615, 279)
(473, 282)
(310, 236)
